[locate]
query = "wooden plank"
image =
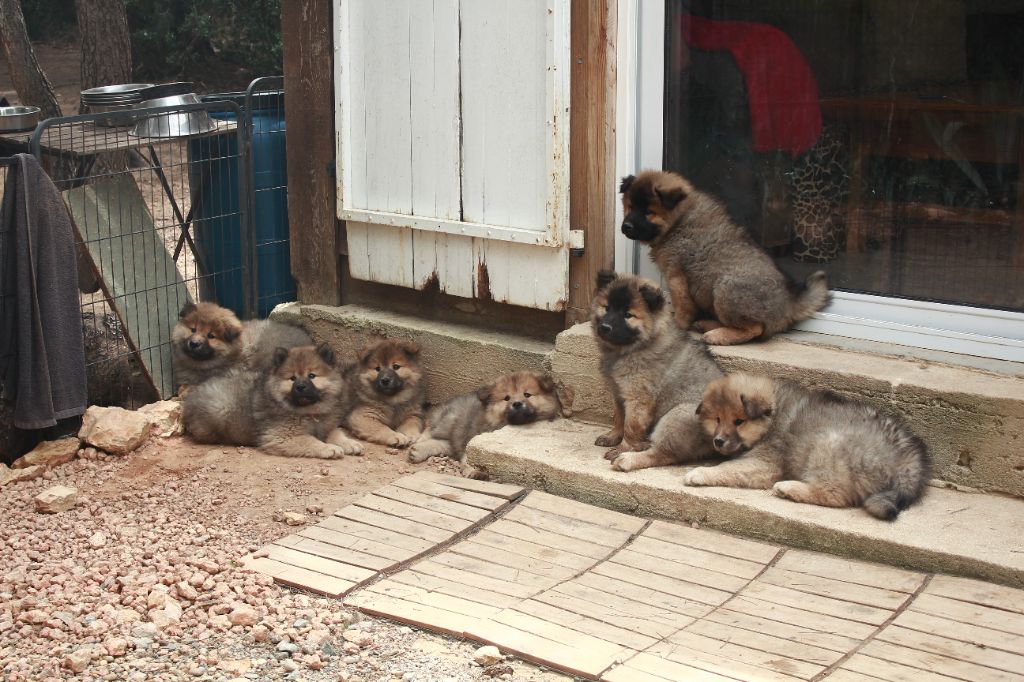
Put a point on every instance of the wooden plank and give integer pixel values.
(816, 603)
(976, 592)
(301, 578)
(742, 654)
(445, 492)
(586, 532)
(523, 531)
(474, 580)
(346, 541)
(605, 518)
(717, 663)
(308, 51)
(782, 613)
(310, 562)
(420, 615)
(672, 569)
(453, 586)
(519, 562)
(964, 632)
(827, 587)
(859, 572)
(888, 670)
(665, 669)
(397, 524)
(677, 588)
(768, 643)
(936, 663)
(503, 490)
(335, 553)
(557, 633)
(843, 675)
(711, 542)
(410, 593)
(485, 567)
(516, 546)
(797, 633)
(964, 612)
(944, 646)
(699, 558)
(431, 503)
(442, 522)
(611, 608)
(623, 673)
(586, 662)
(588, 626)
(403, 541)
(644, 595)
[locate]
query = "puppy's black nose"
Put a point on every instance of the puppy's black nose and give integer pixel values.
(194, 345)
(300, 388)
(385, 381)
(627, 228)
(517, 405)
(719, 442)
(604, 328)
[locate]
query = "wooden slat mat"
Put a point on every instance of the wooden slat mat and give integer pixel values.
(382, 531)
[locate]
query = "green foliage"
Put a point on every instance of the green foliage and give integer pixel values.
(48, 19)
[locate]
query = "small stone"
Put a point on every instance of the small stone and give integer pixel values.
(236, 668)
(314, 509)
(77, 661)
(123, 616)
(289, 665)
(260, 633)
(165, 417)
(487, 656)
(243, 615)
(114, 429)
(116, 646)
(97, 540)
(34, 617)
(8, 475)
(317, 637)
(49, 453)
(59, 498)
(313, 662)
(287, 647)
(293, 518)
(186, 591)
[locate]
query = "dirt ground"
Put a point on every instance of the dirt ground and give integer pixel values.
(61, 64)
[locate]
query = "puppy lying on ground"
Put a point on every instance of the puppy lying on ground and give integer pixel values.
(712, 266)
(651, 366)
(520, 398)
(209, 340)
(810, 446)
(291, 409)
(387, 394)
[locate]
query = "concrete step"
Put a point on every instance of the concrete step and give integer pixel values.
(950, 531)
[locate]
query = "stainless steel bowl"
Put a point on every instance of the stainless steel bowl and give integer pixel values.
(109, 121)
(172, 123)
(18, 119)
(114, 90)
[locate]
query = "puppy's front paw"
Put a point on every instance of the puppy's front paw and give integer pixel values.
(625, 462)
(329, 451)
(470, 471)
(416, 456)
(789, 490)
(610, 439)
(398, 440)
(615, 452)
(698, 476)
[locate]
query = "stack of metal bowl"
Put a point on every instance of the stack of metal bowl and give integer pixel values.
(113, 99)
(172, 123)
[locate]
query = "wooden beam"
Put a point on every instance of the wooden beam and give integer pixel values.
(591, 148)
(306, 27)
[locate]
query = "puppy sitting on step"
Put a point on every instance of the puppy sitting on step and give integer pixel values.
(388, 393)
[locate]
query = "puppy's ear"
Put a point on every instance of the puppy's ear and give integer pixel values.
(544, 380)
(366, 354)
(326, 354)
(280, 355)
(565, 397)
(411, 349)
(605, 277)
(700, 408)
(626, 183)
(756, 407)
(483, 394)
(652, 297)
(187, 310)
(670, 196)
(231, 331)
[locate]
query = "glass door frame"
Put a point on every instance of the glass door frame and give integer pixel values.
(639, 143)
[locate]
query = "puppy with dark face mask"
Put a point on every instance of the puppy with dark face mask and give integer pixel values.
(810, 446)
(713, 268)
(651, 366)
(292, 409)
(388, 393)
(514, 399)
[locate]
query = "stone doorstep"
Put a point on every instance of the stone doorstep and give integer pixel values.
(949, 531)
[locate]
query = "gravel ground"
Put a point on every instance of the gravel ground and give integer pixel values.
(141, 580)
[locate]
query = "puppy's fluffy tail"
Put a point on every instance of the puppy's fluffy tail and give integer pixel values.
(814, 296)
(910, 478)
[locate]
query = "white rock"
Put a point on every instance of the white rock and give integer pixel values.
(97, 540)
(487, 655)
(77, 661)
(294, 518)
(56, 499)
(8, 475)
(116, 646)
(49, 453)
(165, 416)
(243, 615)
(114, 429)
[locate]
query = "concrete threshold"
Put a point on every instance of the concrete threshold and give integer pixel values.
(950, 531)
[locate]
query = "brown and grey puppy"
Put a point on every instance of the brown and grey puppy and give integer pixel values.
(388, 392)
(209, 340)
(651, 366)
(810, 446)
(713, 268)
(520, 398)
(291, 409)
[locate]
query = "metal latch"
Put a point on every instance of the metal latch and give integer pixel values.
(576, 243)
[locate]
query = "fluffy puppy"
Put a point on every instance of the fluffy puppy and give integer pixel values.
(388, 392)
(291, 409)
(209, 340)
(520, 398)
(650, 365)
(810, 446)
(712, 266)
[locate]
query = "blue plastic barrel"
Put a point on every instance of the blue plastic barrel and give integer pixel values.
(217, 224)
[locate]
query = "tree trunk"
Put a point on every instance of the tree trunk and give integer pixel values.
(29, 80)
(106, 49)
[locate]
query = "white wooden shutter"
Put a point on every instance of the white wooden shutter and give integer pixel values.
(453, 132)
